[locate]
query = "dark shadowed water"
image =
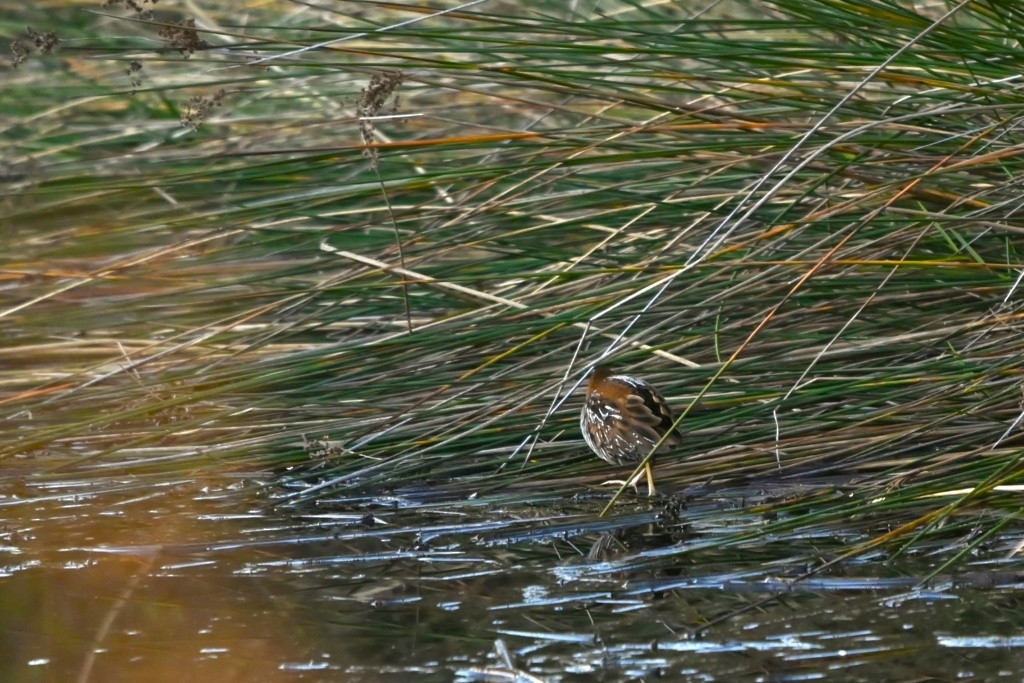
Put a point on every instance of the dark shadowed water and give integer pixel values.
(128, 580)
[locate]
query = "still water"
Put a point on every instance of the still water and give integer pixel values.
(220, 579)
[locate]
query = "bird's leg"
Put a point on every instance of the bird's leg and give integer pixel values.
(649, 471)
(636, 480)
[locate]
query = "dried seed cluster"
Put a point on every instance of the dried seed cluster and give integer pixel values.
(21, 47)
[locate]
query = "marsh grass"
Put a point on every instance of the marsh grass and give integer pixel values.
(368, 248)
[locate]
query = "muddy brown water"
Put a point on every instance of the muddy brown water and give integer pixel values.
(107, 579)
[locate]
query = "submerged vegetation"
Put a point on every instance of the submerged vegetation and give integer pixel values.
(362, 254)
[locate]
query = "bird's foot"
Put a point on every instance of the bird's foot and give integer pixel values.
(633, 484)
(620, 482)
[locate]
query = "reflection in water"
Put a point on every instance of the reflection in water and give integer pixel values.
(117, 581)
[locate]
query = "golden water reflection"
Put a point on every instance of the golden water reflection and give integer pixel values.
(128, 580)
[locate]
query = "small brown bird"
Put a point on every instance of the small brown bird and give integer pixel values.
(623, 417)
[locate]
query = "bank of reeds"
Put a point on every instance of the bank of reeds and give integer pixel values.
(375, 247)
